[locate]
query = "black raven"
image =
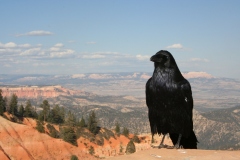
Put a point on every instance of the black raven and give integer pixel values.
(170, 103)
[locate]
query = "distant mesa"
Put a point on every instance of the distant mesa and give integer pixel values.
(190, 75)
(187, 75)
(78, 76)
(145, 76)
(28, 79)
(36, 91)
(99, 76)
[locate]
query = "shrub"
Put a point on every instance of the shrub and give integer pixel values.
(52, 131)
(40, 127)
(74, 157)
(130, 148)
(136, 139)
(68, 135)
(91, 150)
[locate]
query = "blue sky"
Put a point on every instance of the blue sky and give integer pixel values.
(100, 36)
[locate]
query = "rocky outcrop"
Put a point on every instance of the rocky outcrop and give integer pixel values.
(36, 91)
(20, 141)
(23, 141)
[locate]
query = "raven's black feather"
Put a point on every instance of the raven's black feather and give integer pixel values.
(169, 100)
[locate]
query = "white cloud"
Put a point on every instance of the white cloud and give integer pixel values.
(24, 45)
(42, 53)
(58, 45)
(106, 63)
(97, 55)
(142, 58)
(25, 56)
(54, 49)
(42, 64)
(14, 45)
(94, 56)
(106, 53)
(9, 50)
(8, 45)
(61, 54)
(30, 51)
(16, 51)
(175, 46)
(36, 33)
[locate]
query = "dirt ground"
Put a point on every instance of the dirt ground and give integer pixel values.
(180, 154)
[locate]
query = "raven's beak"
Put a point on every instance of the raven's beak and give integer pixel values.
(154, 58)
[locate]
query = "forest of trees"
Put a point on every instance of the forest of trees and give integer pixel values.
(70, 126)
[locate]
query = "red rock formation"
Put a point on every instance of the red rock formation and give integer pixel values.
(20, 141)
(23, 141)
(35, 91)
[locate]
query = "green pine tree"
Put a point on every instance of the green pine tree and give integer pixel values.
(68, 135)
(28, 109)
(2, 104)
(57, 115)
(46, 109)
(125, 132)
(71, 119)
(21, 111)
(14, 105)
(117, 128)
(6, 104)
(92, 123)
(82, 122)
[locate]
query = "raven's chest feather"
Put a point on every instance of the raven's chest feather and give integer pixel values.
(164, 83)
(165, 90)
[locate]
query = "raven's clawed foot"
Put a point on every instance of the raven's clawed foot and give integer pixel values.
(160, 146)
(174, 147)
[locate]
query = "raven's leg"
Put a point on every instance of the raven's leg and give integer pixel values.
(177, 145)
(161, 145)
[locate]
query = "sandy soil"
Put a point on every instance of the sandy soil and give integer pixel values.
(180, 154)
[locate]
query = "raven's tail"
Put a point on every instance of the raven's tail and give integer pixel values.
(188, 143)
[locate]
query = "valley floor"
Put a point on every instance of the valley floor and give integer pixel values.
(180, 154)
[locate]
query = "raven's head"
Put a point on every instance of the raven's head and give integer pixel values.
(163, 59)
